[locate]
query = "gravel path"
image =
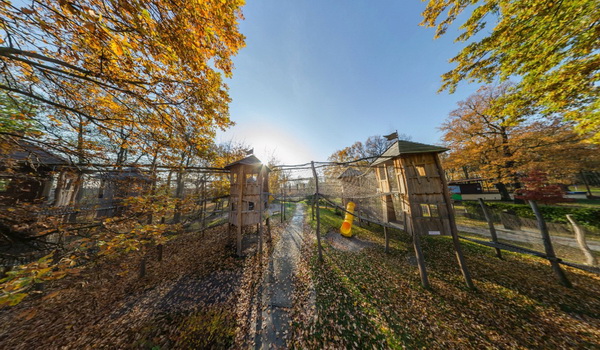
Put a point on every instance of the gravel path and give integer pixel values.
(278, 285)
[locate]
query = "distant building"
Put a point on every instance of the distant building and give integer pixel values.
(30, 173)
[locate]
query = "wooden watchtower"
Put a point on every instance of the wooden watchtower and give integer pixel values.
(249, 180)
(414, 188)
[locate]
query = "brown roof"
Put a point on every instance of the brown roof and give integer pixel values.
(28, 152)
(250, 160)
(350, 172)
(407, 147)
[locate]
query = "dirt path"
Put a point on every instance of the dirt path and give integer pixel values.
(273, 327)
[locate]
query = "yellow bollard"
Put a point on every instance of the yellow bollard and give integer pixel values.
(346, 229)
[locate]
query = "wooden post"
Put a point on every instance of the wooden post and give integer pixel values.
(284, 203)
(453, 230)
(580, 236)
(261, 204)
(419, 255)
(488, 218)
(179, 196)
(312, 164)
(204, 195)
(240, 185)
(163, 218)
(282, 200)
(550, 255)
(387, 239)
(143, 267)
(159, 249)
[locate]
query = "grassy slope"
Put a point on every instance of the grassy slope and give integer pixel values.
(374, 300)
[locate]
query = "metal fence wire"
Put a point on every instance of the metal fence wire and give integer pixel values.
(203, 197)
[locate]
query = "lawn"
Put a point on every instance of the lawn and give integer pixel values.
(371, 299)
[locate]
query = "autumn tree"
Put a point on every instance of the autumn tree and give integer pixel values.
(117, 82)
(372, 147)
(551, 46)
(537, 187)
(498, 147)
(124, 64)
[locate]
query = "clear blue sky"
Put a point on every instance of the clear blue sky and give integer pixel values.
(316, 76)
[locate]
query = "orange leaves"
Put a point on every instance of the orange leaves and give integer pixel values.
(138, 66)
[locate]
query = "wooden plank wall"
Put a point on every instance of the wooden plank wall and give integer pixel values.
(425, 189)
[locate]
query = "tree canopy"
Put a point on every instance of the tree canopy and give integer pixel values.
(108, 83)
(144, 68)
(482, 142)
(551, 46)
(373, 146)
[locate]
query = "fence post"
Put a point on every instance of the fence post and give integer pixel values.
(204, 195)
(488, 218)
(550, 255)
(282, 204)
(387, 239)
(312, 164)
(159, 248)
(143, 267)
(453, 230)
(179, 195)
(261, 204)
(580, 236)
(418, 255)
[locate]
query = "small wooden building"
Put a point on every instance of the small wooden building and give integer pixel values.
(111, 187)
(29, 173)
(249, 184)
(414, 188)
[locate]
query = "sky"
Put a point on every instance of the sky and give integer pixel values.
(317, 76)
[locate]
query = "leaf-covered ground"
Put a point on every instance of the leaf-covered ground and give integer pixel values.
(374, 300)
(197, 297)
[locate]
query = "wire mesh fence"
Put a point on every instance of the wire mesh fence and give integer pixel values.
(198, 198)
(525, 232)
(72, 203)
(343, 183)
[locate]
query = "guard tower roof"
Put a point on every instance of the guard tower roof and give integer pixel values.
(401, 147)
(250, 161)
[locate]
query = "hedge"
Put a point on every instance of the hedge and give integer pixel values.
(583, 216)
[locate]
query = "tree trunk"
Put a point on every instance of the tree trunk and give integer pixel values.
(504, 195)
(587, 184)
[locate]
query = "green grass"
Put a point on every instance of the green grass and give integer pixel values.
(289, 209)
(374, 300)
